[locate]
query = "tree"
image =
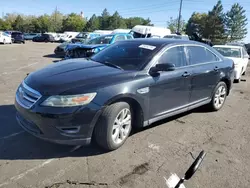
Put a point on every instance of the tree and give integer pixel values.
(74, 22)
(104, 19)
(173, 25)
(56, 21)
(4, 25)
(93, 23)
(43, 23)
(196, 25)
(133, 21)
(215, 24)
(18, 24)
(116, 21)
(236, 22)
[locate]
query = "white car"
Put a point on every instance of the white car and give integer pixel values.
(239, 55)
(5, 38)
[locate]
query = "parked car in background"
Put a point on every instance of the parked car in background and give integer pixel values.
(121, 31)
(17, 37)
(247, 46)
(68, 36)
(44, 38)
(30, 36)
(175, 36)
(142, 31)
(5, 38)
(58, 37)
(239, 56)
(130, 84)
(81, 38)
(103, 32)
(95, 45)
(60, 50)
(84, 37)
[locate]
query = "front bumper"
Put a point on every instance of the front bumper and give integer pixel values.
(69, 126)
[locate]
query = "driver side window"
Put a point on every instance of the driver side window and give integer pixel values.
(175, 55)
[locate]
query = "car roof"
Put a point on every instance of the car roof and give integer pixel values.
(164, 41)
(228, 46)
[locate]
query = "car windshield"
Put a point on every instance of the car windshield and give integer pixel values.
(82, 35)
(16, 34)
(101, 40)
(229, 52)
(127, 55)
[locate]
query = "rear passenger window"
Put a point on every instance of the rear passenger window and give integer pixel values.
(175, 55)
(198, 54)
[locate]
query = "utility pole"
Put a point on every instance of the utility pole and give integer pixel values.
(179, 18)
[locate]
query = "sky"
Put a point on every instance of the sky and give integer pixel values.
(158, 11)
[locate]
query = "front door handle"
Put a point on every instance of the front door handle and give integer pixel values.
(186, 74)
(216, 68)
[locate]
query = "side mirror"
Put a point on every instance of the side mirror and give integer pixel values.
(163, 67)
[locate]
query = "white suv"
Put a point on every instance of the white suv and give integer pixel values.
(5, 38)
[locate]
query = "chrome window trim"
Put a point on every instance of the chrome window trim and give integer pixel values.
(155, 59)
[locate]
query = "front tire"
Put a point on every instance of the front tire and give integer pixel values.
(219, 96)
(114, 126)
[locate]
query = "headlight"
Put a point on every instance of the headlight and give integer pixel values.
(69, 100)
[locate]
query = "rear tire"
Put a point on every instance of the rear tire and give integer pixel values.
(237, 80)
(114, 126)
(219, 96)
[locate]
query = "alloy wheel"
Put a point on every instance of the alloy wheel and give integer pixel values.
(220, 96)
(121, 126)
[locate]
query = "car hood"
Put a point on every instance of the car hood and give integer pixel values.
(86, 46)
(74, 73)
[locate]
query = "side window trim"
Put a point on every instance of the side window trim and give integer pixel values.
(208, 62)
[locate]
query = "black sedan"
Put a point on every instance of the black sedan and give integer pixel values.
(44, 38)
(129, 84)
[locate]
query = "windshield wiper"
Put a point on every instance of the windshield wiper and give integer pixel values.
(112, 65)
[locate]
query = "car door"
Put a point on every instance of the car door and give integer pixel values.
(205, 72)
(170, 90)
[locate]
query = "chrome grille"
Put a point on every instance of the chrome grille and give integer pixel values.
(27, 96)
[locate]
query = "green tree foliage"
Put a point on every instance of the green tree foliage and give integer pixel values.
(133, 21)
(215, 24)
(4, 25)
(116, 21)
(18, 24)
(57, 22)
(173, 25)
(218, 26)
(93, 23)
(236, 22)
(197, 24)
(73, 22)
(104, 19)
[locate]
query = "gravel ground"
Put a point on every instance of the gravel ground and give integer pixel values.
(145, 159)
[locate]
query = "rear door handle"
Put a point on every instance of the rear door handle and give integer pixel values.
(186, 74)
(216, 68)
